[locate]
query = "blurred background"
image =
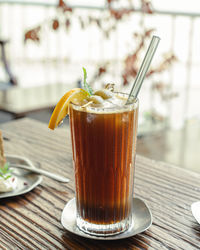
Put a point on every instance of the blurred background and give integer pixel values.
(45, 44)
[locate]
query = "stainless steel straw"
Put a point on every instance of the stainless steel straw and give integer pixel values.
(144, 68)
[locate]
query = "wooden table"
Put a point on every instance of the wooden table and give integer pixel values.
(32, 221)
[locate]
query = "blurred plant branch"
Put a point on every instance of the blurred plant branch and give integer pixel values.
(107, 23)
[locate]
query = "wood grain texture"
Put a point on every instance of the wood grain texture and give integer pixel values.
(32, 221)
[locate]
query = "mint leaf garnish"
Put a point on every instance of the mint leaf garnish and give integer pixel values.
(5, 172)
(86, 86)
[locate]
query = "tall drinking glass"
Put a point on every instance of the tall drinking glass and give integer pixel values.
(104, 145)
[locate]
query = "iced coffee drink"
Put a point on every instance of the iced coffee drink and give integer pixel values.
(104, 132)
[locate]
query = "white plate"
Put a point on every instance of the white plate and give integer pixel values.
(142, 220)
(195, 207)
(25, 181)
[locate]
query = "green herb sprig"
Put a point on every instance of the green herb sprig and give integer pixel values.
(5, 172)
(86, 86)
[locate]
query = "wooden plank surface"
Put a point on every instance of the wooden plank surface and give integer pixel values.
(32, 221)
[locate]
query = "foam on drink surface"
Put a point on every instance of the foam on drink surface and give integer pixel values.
(106, 102)
(117, 101)
(111, 105)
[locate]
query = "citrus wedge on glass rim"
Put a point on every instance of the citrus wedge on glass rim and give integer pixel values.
(75, 95)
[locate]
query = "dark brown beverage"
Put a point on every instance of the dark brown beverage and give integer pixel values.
(103, 142)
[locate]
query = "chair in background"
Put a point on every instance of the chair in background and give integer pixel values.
(12, 80)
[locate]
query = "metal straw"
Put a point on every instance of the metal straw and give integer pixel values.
(143, 69)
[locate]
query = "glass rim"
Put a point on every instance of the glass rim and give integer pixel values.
(131, 106)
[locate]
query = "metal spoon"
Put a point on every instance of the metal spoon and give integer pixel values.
(42, 172)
